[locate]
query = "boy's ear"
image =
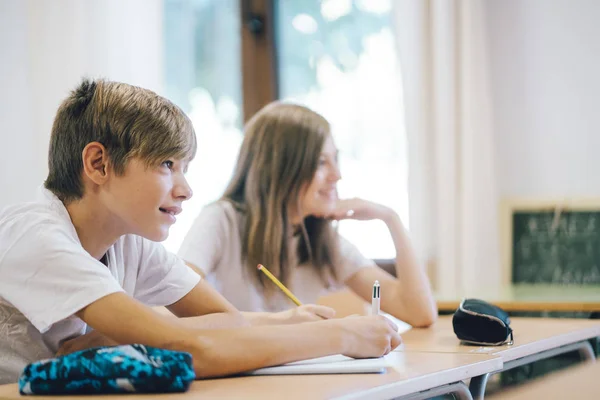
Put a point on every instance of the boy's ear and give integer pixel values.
(95, 162)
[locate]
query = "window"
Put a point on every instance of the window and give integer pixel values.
(339, 58)
(203, 76)
(336, 56)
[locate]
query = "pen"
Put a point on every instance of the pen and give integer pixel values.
(279, 284)
(376, 299)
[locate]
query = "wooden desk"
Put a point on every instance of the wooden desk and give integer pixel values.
(531, 335)
(411, 373)
(345, 302)
(522, 297)
(579, 382)
(534, 339)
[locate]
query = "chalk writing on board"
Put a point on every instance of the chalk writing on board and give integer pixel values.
(557, 248)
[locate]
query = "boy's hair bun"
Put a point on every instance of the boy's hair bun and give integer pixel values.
(82, 95)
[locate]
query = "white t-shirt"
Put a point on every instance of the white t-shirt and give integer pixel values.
(214, 245)
(46, 276)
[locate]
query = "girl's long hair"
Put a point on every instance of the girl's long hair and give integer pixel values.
(277, 161)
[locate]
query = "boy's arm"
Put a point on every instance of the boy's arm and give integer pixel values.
(201, 308)
(205, 301)
(83, 342)
(228, 351)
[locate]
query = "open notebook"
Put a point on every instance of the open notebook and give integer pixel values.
(337, 364)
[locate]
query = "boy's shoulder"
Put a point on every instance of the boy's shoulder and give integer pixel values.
(46, 222)
(33, 224)
(43, 230)
(35, 214)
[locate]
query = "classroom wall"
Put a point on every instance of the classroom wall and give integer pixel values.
(45, 48)
(545, 76)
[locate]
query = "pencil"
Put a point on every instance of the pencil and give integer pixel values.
(279, 284)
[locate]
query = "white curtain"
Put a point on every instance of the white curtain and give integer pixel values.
(452, 185)
(46, 49)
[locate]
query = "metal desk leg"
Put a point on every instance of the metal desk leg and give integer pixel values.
(477, 386)
(458, 389)
(586, 351)
(584, 348)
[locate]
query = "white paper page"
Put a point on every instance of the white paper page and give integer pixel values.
(337, 364)
(402, 326)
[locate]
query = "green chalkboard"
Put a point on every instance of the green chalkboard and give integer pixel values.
(556, 247)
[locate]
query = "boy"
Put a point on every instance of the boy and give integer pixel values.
(85, 253)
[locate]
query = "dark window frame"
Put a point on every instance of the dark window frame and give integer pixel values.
(259, 64)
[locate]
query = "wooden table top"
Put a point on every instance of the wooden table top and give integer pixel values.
(511, 298)
(521, 297)
(531, 336)
(411, 372)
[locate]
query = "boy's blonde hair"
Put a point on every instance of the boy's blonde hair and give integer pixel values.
(129, 121)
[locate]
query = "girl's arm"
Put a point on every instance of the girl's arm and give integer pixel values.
(408, 296)
(295, 315)
(204, 301)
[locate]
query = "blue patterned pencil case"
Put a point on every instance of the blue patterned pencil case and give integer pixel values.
(106, 370)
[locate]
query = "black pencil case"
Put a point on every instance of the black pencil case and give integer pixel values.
(479, 322)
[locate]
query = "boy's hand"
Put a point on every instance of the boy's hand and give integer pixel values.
(305, 313)
(365, 337)
(87, 341)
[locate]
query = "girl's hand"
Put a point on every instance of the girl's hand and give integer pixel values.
(359, 209)
(305, 313)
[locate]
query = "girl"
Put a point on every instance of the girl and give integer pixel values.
(278, 211)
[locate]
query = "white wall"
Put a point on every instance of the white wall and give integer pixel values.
(46, 47)
(19, 155)
(545, 74)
